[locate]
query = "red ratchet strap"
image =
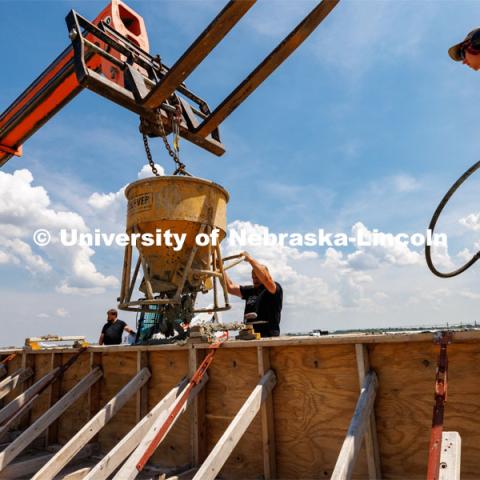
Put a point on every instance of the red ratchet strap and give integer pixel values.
(435, 448)
(195, 380)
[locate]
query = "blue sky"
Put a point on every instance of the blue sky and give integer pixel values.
(368, 124)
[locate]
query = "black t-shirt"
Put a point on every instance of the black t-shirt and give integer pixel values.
(112, 332)
(267, 306)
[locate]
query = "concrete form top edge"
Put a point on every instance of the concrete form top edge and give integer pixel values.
(459, 336)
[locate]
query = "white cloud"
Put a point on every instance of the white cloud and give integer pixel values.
(102, 201)
(330, 288)
(333, 282)
(469, 294)
(471, 221)
(396, 252)
(405, 183)
(337, 289)
(25, 208)
(21, 253)
(5, 257)
(108, 210)
(146, 171)
(61, 312)
(441, 258)
(66, 289)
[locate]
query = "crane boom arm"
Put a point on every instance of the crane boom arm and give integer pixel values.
(110, 56)
(58, 84)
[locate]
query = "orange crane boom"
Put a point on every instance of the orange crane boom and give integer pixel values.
(110, 56)
(58, 84)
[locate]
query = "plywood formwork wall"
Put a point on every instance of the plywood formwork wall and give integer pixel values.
(168, 368)
(13, 366)
(77, 415)
(313, 401)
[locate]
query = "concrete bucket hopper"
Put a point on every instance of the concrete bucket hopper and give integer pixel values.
(191, 208)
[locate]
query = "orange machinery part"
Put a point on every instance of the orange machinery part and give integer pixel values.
(58, 84)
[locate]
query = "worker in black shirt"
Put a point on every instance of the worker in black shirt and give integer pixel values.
(264, 297)
(112, 331)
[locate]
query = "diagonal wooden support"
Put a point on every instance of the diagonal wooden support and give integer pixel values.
(24, 468)
(129, 442)
(92, 427)
(141, 407)
(44, 421)
(78, 474)
(129, 469)
(371, 440)
(353, 441)
(198, 50)
(8, 384)
(17, 407)
(234, 432)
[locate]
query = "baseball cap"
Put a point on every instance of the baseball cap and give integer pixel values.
(455, 52)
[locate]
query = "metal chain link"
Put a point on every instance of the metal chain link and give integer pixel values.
(173, 152)
(149, 155)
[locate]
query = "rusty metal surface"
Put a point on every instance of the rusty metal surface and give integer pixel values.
(182, 206)
(434, 451)
(198, 51)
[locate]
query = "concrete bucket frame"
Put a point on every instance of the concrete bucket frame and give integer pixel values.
(185, 206)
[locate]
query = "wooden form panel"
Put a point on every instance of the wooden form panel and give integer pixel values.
(77, 415)
(233, 375)
(462, 410)
(42, 364)
(314, 400)
(118, 369)
(168, 368)
(406, 375)
(404, 405)
(12, 366)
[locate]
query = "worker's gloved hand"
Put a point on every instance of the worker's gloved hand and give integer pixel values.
(247, 257)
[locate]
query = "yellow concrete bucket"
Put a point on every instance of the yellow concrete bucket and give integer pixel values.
(186, 206)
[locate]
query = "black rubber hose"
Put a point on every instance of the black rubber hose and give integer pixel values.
(433, 222)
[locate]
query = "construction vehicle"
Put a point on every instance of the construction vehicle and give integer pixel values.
(111, 56)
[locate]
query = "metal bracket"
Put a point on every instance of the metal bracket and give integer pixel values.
(138, 75)
(11, 151)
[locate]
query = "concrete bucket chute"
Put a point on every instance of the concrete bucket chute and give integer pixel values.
(172, 276)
